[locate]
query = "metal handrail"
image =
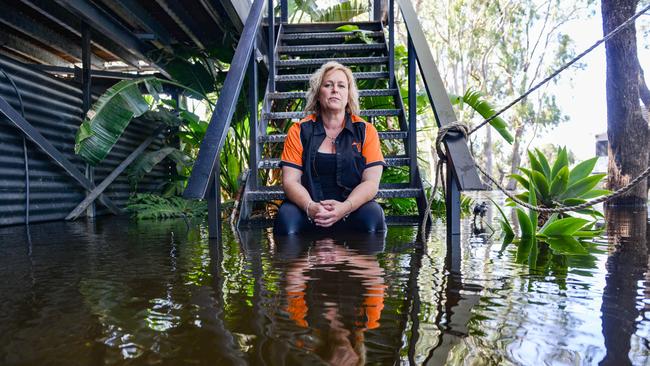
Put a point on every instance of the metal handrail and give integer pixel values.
(459, 155)
(204, 169)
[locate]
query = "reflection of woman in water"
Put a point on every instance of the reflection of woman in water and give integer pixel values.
(338, 292)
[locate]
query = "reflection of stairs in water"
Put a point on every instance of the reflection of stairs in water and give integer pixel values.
(301, 49)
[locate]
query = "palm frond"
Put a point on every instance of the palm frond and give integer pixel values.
(475, 100)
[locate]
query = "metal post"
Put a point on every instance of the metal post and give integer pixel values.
(271, 47)
(452, 203)
(85, 91)
(254, 156)
(214, 203)
(412, 95)
(391, 44)
(376, 10)
(284, 11)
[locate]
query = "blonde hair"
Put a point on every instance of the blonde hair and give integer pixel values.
(316, 80)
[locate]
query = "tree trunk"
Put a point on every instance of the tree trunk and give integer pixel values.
(627, 130)
(515, 162)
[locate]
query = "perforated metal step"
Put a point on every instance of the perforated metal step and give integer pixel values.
(362, 113)
(328, 35)
(384, 135)
(357, 75)
(273, 163)
(330, 48)
(343, 60)
(328, 27)
(362, 93)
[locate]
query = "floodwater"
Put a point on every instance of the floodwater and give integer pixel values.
(119, 292)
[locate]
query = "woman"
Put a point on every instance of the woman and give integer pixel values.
(332, 161)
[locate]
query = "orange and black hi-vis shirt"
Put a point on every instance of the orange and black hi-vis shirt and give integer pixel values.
(357, 148)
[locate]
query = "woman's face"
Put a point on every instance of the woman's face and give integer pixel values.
(333, 93)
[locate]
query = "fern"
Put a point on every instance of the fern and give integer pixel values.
(147, 206)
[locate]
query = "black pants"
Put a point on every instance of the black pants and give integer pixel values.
(368, 218)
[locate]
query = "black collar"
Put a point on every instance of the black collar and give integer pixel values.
(319, 127)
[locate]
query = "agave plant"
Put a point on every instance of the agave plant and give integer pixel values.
(566, 236)
(551, 186)
(557, 184)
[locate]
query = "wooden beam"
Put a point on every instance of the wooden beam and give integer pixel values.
(26, 25)
(90, 198)
(31, 51)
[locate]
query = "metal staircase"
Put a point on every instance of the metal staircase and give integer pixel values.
(299, 51)
(296, 51)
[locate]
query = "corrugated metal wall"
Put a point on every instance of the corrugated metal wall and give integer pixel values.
(53, 107)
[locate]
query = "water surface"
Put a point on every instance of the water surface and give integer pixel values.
(119, 292)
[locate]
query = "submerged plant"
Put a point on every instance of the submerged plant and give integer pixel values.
(145, 206)
(552, 186)
(557, 185)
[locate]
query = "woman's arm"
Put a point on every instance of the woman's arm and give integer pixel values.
(296, 192)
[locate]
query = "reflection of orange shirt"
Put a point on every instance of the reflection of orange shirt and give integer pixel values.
(373, 304)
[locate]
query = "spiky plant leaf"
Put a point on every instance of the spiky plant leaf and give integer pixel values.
(546, 168)
(560, 182)
(582, 186)
(561, 161)
(582, 170)
(525, 224)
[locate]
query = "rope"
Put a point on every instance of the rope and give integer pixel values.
(554, 74)
(455, 126)
(561, 209)
(463, 128)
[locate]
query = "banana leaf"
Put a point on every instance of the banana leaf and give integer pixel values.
(475, 100)
(111, 114)
(108, 118)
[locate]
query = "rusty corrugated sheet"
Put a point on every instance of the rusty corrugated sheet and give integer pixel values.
(54, 108)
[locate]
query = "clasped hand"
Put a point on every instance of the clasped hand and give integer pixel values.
(328, 212)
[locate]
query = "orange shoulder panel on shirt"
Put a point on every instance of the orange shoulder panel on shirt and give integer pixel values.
(371, 147)
(355, 118)
(292, 152)
(311, 117)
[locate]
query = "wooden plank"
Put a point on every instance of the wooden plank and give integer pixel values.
(90, 198)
